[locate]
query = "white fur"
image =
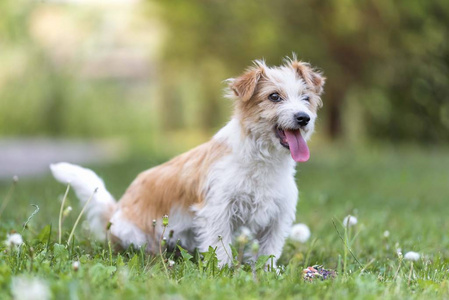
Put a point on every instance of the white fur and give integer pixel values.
(84, 182)
(181, 223)
(127, 232)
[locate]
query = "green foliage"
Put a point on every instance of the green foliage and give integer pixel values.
(185, 254)
(388, 59)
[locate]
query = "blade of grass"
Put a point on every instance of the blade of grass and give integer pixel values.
(346, 246)
(61, 211)
(79, 217)
(410, 275)
(31, 216)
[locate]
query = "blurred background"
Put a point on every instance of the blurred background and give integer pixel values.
(105, 80)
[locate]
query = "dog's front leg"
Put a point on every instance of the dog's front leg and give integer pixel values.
(272, 239)
(215, 231)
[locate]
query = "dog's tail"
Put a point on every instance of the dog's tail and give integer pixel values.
(84, 182)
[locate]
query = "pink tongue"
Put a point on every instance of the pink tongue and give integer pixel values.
(298, 146)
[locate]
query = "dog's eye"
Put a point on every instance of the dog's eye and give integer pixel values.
(275, 97)
(306, 98)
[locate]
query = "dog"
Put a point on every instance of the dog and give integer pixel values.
(243, 176)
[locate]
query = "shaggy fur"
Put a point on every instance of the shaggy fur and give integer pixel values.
(244, 176)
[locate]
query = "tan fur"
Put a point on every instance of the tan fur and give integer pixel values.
(176, 183)
(314, 79)
(245, 85)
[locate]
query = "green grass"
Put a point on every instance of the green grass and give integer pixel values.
(404, 191)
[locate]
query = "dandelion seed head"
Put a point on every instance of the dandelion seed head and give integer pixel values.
(23, 288)
(386, 233)
(412, 256)
(13, 240)
(67, 211)
(76, 265)
(245, 235)
(300, 233)
(242, 239)
(349, 221)
(246, 231)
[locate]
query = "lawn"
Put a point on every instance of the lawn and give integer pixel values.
(398, 194)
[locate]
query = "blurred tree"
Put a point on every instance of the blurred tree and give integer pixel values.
(392, 55)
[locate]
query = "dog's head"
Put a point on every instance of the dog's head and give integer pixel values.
(279, 104)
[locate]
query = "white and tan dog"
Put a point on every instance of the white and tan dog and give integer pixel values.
(244, 176)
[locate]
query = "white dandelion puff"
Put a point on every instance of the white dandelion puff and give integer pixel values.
(300, 233)
(13, 240)
(386, 234)
(245, 235)
(76, 265)
(246, 231)
(23, 288)
(349, 221)
(67, 211)
(412, 256)
(171, 263)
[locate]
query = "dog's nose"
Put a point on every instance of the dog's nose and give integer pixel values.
(302, 118)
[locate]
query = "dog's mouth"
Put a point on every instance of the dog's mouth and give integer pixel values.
(292, 139)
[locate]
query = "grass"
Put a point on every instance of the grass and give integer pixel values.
(400, 190)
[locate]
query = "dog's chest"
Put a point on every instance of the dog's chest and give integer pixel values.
(253, 193)
(252, 211)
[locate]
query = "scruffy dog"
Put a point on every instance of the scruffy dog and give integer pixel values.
(244, 176)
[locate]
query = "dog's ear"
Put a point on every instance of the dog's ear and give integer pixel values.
(245, 85)
(312, 78)
(318, 81)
